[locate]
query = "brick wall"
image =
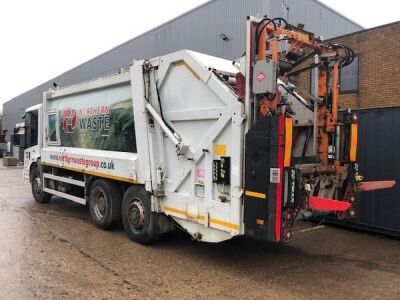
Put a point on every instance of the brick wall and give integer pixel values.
(379, 68)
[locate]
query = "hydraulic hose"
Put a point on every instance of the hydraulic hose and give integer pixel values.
(269, 21)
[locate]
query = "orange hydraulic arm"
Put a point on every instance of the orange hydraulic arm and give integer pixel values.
(269, 35)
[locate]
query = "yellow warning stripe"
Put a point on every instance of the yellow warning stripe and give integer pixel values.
(255, 194)
(183, 63)
(94, 173)
(175, 211)
(353, 142)
(202, 217)
(288, 141)
(224, 223)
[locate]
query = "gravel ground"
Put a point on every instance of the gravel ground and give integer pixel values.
(52, 251)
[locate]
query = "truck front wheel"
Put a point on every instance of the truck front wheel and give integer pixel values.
(138, 219)
(105, 204)
(37, 187)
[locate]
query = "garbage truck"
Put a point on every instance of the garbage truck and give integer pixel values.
(214, 147)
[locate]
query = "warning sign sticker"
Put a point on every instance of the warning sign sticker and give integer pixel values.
(274, 175)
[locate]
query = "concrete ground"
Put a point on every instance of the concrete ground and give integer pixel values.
(52, 251)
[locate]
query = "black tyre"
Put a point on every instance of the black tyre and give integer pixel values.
(37, 187)
(138, 219)
(105, 204)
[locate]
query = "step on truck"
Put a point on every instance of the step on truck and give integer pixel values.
(216, 148)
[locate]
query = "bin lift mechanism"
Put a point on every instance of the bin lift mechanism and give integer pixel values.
(328, 61)
(315, 167)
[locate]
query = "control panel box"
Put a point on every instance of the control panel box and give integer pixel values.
(264, 77)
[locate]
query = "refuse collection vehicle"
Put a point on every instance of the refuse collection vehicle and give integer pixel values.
(214, 147)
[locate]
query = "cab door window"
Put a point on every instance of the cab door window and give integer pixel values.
(31, 128)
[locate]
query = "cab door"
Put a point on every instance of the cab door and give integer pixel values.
(31, 152)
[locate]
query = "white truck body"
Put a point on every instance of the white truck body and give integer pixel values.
(206, 114)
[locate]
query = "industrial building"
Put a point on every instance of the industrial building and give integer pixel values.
(216, 28)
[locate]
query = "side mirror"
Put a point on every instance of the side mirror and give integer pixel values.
(22, 141)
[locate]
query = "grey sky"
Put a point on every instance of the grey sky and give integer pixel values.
(44, 38)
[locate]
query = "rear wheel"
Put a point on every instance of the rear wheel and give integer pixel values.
(105, 204)
(37, 188)
(138, 219)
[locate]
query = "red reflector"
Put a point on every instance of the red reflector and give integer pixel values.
(377, 185)
(324, 204)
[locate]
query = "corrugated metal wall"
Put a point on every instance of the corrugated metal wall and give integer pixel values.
(197, 30)
(379, 159)
(317, 18)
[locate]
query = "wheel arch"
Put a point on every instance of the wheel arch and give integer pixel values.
(34, 165)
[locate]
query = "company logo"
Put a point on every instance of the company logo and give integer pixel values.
(68, 120)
